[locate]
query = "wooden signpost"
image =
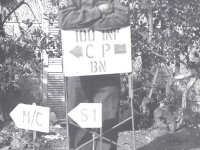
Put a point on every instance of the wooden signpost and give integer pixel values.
(87, 115)
(31, 117)
(88, 52)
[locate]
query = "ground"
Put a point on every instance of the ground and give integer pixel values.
(151, 139)
(160, 139)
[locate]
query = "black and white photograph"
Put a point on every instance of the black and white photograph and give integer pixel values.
(99, 74)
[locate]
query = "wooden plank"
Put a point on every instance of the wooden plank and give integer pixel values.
(51, 87)
(55, 99)
(58, 76)
(55, 103)
(55, 81)
(55, 62)
(52, 60)
(55, 90)
(54, 31)
(55, 94)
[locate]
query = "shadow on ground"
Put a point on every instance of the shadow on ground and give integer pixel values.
(184, 139)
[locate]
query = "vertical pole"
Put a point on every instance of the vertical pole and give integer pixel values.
(130, 79)
(154, 82)
(44, 77)
(1, 27)
(34, 134)
(66, 109)
(93, 142)
(130, 82)
(42, 11)
(101, 144)
(150, 15)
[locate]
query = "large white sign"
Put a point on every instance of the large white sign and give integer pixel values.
(88, 52)
(87, 115)
(31, 117)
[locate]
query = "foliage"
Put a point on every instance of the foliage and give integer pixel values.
(21, 55)
(31, 87)
(165, 34)
(176, 31)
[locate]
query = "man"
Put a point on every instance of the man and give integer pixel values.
(89, 89)
(93, 14)
(97, 15)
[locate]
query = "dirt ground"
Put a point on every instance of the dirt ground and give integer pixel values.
(160, 139)
(153, 138)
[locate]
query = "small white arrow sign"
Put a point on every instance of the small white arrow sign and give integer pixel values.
(31, 117)
(87, 115)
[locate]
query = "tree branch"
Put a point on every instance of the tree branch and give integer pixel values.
(168, 57)
(153, 83)
(148, 71)
(162, 56)
(184, 101)
(21, 3)
(183, 76)
(154, 4)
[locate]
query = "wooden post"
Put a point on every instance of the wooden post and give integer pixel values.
(101, 142)
(150, 15)
(153, 83)
(93, 142)
(130, 80)
(34, 134)
(66, 111)
(44, 78)
(42, 11)
(1, 27)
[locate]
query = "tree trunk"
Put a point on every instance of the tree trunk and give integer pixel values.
(1, 25)
(177, 65)
(184, 101)
(153, 83)
(150, 17)
(148, 62)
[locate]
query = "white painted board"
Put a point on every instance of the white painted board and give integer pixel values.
(88, 52)
(87, 115)
(31, 117)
